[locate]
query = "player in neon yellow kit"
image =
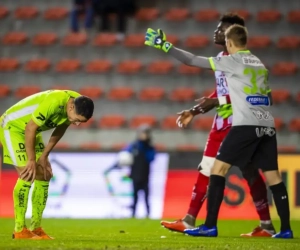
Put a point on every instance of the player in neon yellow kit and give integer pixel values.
(20, 134)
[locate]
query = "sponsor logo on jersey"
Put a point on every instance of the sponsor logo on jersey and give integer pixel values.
(258, 100)
(252, 61)
(263, 115)
(260, 132)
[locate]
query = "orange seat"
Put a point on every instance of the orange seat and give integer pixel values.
(67, 65)
(74, 39)
(203, 123)
(118, 146)
(4, 90)
(8, 64)
(207, 15)
(298, 97)
(268, 16)
(147, 14)
(105, 40)
(94, 92)
(294, 125)
(196, 41)
(208, 92)
(294, 16)
(160, 67)
(188, 70)
(169, 122)
(62, 145)
(284, 69)
(44, 39)
(90, 146)
(173, 39)
(287, 148)
(3, 12)
(134, 40)
(160, 147)
(84, 125)
(177, 14)
(25, 91)
(280, 95)
(98, 66)
(37, 65)
(187, 147)
(242, 12)
(56, 13)
(140, 120)
(129, 67)
(15, 38)
(259, 42)
(151, 94)
(111, 121)
(120, 93)
(279, 124)
(182, 94)
(288, 42)
(26, 12)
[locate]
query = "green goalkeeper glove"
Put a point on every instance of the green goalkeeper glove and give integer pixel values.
(224, 111)
(157, 39)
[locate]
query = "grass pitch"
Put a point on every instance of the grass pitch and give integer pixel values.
(141, 235)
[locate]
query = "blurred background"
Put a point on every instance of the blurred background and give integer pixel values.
(96, 47)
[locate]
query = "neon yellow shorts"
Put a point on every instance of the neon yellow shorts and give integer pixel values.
(14, 152)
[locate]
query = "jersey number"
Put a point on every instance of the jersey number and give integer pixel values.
(22, 157)
(254, 75)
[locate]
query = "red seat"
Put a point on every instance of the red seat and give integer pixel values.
(8, 64)
(67, 65)
(3, 12)
(129, 67)
(298, 97)
(294, 16)
(207, 15)
(160, 67)
(280, 95)
(111, 121)
(4, 90)
(139, 120)
(169, 123)
(203, 123)
(44, 39)
(288, 42)
(105, 40)
(15, 38)
(118, 146)
(120, 93)
(147, 14)
(134, 40)
(177, 14)
(182, 94)
(287, 148)
(37, 65)
(84, 125)
(188, 70)
(98, 66)
(187, 147)
(242, 12)
(196, 41)
(90, 146)
(284, 69)
(74, 39)
(173, 39)
(259, 41)
(160, 147)
(279, 123)
(25, 91)
(62, 145)
(294, 125)
(268, 16)
(26, 12)
(151, 94)
(91, 91)
(56, 13)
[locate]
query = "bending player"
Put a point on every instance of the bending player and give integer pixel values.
(220, 128)
(252, 136)
(23, 147)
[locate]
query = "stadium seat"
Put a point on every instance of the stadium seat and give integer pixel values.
(196, 41)
(259, 42)
(203, 123)
(294, 125)
(105, 40)
(8, 64)
(74, 39)
(160, 147)
(279, 123)
(25, 91)
(207, 15)
(187, 147)
(56, 13)
(98, 66)
(62, 146)
(294, 16)
(151, 94)
(268, 16)
(4, 90)
(169, 123)
(208, 92)
(280, 95)
(188, 70)
(3, 12)
(84, 125)
(90, 146)
(182, 94)
(242, 12)
(147, 14)
(94, 92)
(26, 12)
(139, 120)
(130, 67)
(118, 146)
(67, 65)
(287, 148)
(120, 93)
(177, 14)
(288, 42)
(111, 121)
(134, 40)
(173, 39)
(44, 39)
(298, 97)
(284, 69)
(160, 67)
(14, 38)
(37, 65)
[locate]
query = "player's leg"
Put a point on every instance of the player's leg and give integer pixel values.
(135, 197)
(146, 193)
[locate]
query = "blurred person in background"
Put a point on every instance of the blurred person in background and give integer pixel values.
(82, 8)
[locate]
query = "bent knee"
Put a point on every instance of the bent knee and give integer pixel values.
(206, 165)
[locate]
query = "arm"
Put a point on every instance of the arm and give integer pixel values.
(151, 155)
(30, 135)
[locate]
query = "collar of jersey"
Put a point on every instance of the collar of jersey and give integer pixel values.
(244, 51)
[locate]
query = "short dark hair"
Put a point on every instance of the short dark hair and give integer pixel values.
(238, 34)
(232, 18)
(84, 106)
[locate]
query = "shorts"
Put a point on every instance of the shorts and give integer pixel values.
(255, 144)
(14, 152)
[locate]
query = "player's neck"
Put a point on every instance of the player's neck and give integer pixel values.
(237, 49)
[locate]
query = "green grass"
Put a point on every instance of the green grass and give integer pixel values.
(141, 235)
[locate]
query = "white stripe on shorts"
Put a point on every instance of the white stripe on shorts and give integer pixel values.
(10, 147)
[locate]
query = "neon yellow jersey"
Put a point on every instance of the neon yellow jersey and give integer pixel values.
(47, 109)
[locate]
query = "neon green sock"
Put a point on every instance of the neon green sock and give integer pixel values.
(39, 200)
(21, 192)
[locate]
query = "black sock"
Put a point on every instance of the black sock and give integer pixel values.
(214, 199)
(281, 200)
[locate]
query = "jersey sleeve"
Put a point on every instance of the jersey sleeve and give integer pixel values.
(222, 63)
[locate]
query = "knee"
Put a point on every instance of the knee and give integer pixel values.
(40, 176)
(206, 165)
(220, 168)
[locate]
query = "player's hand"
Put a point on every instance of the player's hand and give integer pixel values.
(29, 172)
(224, 111)
(43, 161)
(157, 39)
(184, 118)
(206, 104)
